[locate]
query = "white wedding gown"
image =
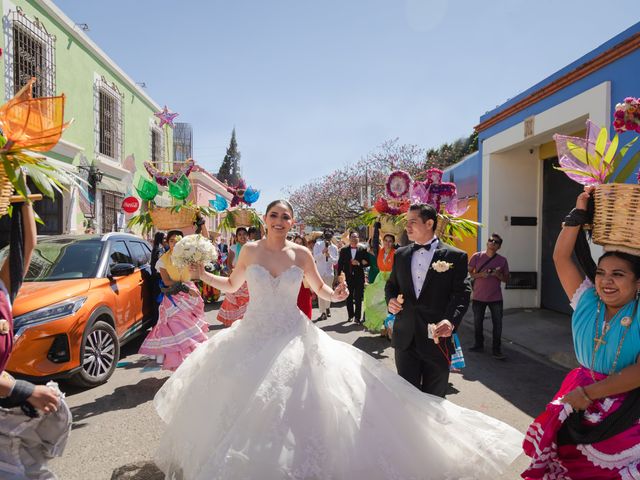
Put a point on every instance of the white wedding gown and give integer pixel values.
(274, 397)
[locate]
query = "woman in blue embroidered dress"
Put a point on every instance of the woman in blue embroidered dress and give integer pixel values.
(590, 429)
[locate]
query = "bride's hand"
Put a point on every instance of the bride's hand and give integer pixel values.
(196, 271)
(340, 293)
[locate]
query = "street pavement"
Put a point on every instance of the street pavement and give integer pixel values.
(116, 430)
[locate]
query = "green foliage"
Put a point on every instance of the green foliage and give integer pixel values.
(143, 220)
(449, 154)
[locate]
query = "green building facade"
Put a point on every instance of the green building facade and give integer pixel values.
(113, 131)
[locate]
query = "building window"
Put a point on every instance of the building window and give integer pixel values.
(30, 53)
(156, 147)
(111, 203)
(108, 121)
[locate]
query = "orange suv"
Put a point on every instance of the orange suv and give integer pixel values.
(83, 297)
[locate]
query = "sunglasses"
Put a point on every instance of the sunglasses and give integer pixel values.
(493, 240)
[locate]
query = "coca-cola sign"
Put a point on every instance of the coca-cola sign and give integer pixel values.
(130, 204)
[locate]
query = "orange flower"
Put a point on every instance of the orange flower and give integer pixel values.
(32, 123)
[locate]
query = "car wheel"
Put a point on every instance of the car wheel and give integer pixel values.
(99, 355)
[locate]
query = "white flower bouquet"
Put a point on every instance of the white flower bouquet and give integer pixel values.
(193, 250)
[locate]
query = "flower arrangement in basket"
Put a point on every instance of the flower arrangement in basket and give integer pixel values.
(401, 191)
(596, 161)
(30, 125)
(241, 216)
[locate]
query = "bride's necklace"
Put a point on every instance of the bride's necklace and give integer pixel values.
(598, 337)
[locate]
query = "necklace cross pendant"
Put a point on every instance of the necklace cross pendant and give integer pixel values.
(598, 341)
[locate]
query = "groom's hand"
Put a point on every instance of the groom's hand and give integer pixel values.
(394, 306)
(443, 329)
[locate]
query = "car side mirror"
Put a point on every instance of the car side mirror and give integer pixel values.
(122, 269)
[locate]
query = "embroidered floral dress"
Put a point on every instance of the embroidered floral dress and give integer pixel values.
(274, 397)
(375, 305)
(617, 457)
(181, 325)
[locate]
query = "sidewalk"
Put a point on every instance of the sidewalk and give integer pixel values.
(541, 333)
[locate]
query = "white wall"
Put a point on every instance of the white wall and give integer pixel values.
(512, 181)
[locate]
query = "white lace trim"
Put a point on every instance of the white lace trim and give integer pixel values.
(584, 286)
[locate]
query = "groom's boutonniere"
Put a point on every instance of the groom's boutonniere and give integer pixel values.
(441, 266)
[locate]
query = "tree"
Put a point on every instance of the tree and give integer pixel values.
(230, 169)
(450, 153)
(337, 199)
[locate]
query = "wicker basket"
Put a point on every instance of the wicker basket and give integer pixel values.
(6, 189)
(388, 226)
(243, 217)
(164, 219)
(442, 224)
(616, 222)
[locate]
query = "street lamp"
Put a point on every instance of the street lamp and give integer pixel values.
(94, 176)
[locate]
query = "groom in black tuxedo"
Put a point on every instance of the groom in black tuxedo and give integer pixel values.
(432, 277)
(352, 260)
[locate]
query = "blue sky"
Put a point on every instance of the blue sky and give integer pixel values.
(311, 86)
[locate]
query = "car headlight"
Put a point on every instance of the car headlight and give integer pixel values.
(47, 314)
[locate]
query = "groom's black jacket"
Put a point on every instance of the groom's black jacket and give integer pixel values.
(443, 296)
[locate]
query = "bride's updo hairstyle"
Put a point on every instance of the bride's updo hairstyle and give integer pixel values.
(284, 203)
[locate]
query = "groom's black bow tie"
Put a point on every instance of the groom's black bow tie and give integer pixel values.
(417, 246)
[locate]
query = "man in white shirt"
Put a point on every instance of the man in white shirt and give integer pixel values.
(325, 254)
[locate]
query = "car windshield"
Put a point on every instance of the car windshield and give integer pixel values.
(63, 259)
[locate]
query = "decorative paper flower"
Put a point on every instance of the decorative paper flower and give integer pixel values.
(398, 184)
(626, 321)
(32, 123)
(588, 161)
(180, 189)
(193, 250)
(383, 206)
(457, 208)
(433, 175)
(251, 195)
(220, 203)
(626, 117)
(441, 266)
(147, 190)
(4, 327)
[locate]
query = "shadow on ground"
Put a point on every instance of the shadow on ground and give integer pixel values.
(122, 398)
(137, 471)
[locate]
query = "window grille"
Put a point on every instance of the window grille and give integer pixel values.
(108, 120)
(31, 53)
(110, 207)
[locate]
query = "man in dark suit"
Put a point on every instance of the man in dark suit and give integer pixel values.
(352, 261)
(432, 277)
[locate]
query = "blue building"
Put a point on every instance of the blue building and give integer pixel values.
(521, 196)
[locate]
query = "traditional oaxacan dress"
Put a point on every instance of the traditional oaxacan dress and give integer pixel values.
(235, 303)
(181, 325)
(566, 445)
(375, 306)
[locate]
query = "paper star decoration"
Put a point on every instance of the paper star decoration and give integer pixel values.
(166, 117)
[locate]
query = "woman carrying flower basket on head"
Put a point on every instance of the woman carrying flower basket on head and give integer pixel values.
(235, 303)
(181, 325)
(590, 429)
(375, 305)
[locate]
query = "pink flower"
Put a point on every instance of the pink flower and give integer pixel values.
(619, 114)
(629, 100)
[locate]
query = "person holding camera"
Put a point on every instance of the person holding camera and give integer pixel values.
(325, 254)
(488, 270)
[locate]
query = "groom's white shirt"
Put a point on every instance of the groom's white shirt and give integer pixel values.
(420, 263)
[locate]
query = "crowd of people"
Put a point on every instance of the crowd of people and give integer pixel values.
(272, 357)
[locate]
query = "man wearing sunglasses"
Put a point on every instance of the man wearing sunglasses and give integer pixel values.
(488, 270)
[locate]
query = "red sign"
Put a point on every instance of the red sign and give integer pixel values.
(130, 204)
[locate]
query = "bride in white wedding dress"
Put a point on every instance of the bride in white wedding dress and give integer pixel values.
(274, 397)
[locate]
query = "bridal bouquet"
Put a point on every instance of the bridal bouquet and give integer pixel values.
(193, 250)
